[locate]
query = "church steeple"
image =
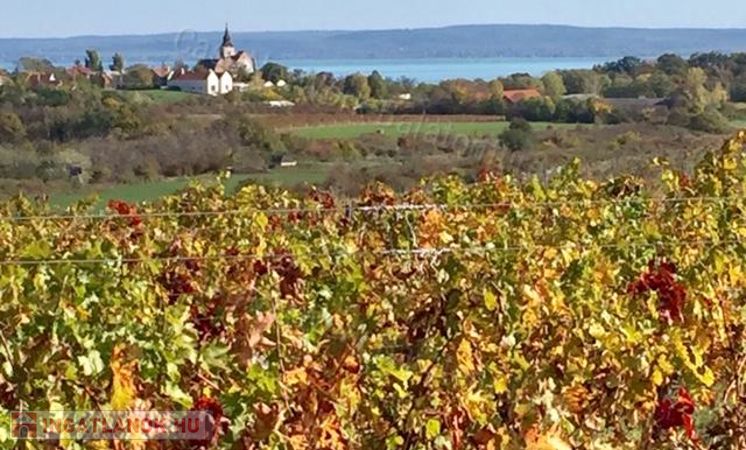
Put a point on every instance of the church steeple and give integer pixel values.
(227, 50)
(227, 41)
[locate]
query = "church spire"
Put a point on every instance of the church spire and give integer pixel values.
(227, 41)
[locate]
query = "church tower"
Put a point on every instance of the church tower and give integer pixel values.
(227, 50)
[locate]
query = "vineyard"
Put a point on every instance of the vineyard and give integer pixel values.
(492, 315)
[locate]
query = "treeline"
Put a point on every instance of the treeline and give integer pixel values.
(693, 92)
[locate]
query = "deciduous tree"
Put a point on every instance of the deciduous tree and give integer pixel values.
(554, 86)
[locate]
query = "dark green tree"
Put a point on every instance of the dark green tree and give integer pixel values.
(378, 86)
(93, 60)
(672, 64)
(274, 72)
(357, 85)
(117, 63)
(738, 89)
(629, 65)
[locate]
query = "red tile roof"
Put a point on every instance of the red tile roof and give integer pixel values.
(518, 95)
(162, 71)
(79, 70)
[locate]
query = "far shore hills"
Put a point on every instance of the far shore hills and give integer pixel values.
(464, 41)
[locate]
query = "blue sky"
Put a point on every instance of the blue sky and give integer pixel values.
(44, 18)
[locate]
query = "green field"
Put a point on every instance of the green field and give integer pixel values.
(143, 192)
(740, 124)
(397, 129)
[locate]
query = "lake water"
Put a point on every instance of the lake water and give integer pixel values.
(433, 70)
(428, 70)
(437, 69)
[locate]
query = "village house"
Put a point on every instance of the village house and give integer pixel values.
(36, 80)
(162, 75)
(116, 78)
(207, 82)
(79, 71)
(230, 59)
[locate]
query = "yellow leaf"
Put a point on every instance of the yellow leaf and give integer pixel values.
(490, 300)
(465, 357)
(657, 377)
(597, 331)
(123, 391)
(531, 293)
(446, 238)
(500, 384)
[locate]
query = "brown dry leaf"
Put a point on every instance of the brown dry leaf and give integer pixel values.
(260, 325)
(576, 399)
(484, 436)
(266, 421)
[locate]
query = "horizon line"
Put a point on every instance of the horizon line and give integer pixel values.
(376, 29)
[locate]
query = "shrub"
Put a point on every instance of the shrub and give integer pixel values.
(17, 164)
(630, 137)
(11, 127)
(519, 136)
(709, 121)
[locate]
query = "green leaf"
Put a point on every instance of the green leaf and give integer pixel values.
(175, 393)
(213, 356)
(37, 250)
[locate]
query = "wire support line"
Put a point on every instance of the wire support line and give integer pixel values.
(416, 252)
(373, 208)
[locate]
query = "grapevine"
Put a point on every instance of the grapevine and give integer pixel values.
(565, 314)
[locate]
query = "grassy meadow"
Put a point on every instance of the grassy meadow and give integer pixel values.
(150, 191)
(306, 173)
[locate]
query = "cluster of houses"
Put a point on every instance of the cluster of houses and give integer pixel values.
(210, 77)
(215, 76)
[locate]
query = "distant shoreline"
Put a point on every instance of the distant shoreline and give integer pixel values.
(379, 30)
(471, 42)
